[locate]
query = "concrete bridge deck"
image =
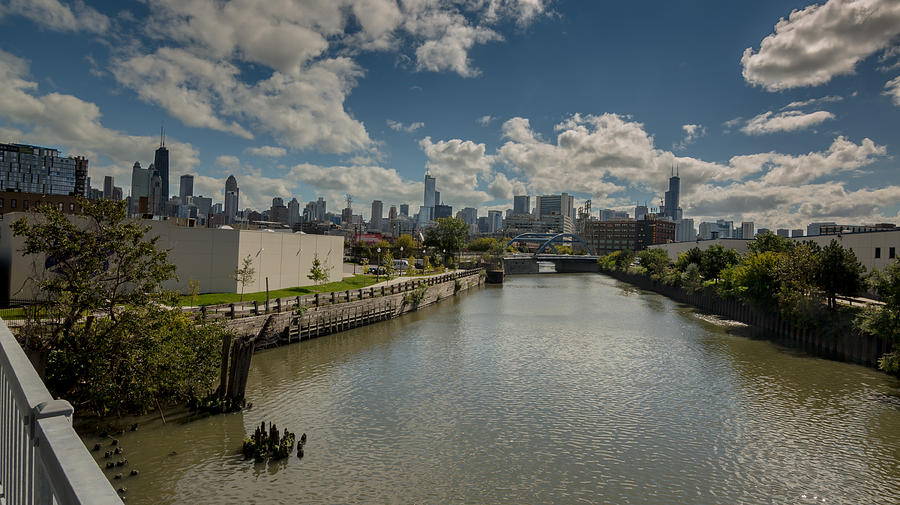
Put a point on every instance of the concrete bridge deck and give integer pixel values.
(563, 263)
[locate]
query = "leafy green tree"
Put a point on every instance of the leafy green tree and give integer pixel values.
(755, 279)
(655, 260)
(318, 272)
(840, 272)
(798, 294)
(447, 234)
(768, 241)
(716, 258)
(388, 262)
(244, 274)
(884, 321)
(691, 279)
(484, 244)
(109, 338)
(693, 255)
(408, 244)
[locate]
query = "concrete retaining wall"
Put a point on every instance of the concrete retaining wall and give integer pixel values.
(286, 327)
(837, 344)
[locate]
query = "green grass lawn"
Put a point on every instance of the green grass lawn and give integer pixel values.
(355, 282)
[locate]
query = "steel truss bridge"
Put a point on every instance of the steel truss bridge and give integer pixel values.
(548, 240)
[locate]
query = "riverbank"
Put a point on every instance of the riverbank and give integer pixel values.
(832, 343)
(326, 313)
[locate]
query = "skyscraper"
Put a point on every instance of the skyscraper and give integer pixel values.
(232, 199)
(108, 186)
(747, 231)
(404, 209)
(41, 170)
(521, 204)
(293, 212)
(377, 213)
(429, 190)
(140, 188)
(161, 163)
(670, 208)
(562, 205)
(187, 186)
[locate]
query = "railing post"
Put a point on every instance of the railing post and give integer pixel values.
(231, 306)
(255, 307)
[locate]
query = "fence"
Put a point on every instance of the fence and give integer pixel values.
(251, 309)
(42, 459)
(837, 344)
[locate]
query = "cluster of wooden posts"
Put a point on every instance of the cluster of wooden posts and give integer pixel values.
(841, 345)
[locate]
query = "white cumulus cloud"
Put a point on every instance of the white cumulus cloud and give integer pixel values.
(400, 127)
(792, 120)
(819, 42)
(266, 151)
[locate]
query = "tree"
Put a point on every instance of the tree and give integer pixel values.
(388, 262)
(318, 273)
(694, 255)
(405, 241)
(769, 241)
(655, 260)
(884, 321)
(483, 244)
(691, 280)
(448, 234)
(840, 272)
(244, 274)
(754, 280)
(716, 258)
(109, 337)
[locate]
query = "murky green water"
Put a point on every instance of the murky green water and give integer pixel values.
(553, 389)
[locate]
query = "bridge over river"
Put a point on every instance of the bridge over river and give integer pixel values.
(542, 263)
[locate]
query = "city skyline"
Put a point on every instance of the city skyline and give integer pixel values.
(501, 99)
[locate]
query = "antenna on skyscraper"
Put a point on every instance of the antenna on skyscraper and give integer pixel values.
(162, 136)
(349, 200)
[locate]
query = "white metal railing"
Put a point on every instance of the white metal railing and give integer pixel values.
(42, 459)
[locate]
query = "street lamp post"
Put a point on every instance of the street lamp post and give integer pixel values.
(378, 265)
(401, 261)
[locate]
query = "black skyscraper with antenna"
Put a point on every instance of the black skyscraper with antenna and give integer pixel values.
(161, 164)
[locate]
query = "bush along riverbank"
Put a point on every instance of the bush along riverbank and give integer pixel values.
(788, 291)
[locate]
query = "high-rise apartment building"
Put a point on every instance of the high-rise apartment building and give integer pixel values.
(747, 230)
(684, 231)
(782, 232)
(495, 221)
(41, 170)
(404, 209)
(796, 233)
(522, 204)
(232, 199)
(187, 186)
(562, 204)
(815, 228)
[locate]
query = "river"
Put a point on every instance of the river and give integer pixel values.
(552, 389)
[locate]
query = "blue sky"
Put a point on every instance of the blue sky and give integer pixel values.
(777, 112)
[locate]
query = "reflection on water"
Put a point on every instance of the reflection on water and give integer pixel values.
(551, 389)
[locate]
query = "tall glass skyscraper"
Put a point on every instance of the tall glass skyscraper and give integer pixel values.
(670, 208)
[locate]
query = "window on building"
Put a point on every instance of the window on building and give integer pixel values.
(71, 207)
(1, 203)
(25, 204)
(12, 203)
(892, 253)
(877, 252)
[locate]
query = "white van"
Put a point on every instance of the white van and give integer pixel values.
(401, 265)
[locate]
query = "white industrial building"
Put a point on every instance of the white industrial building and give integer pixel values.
(875, 250)
(207, 255)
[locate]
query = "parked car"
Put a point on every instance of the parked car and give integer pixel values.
(375, 270)
(401, 265)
